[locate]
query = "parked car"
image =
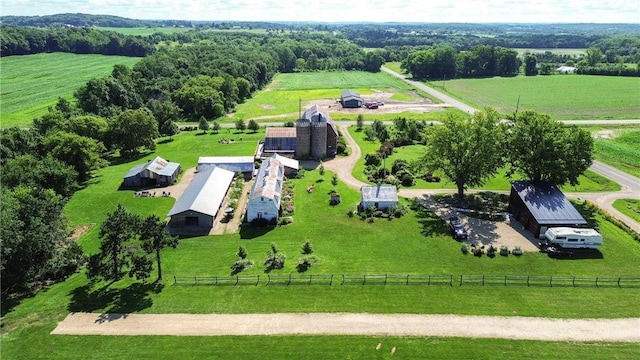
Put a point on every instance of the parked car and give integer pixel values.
(457, 229)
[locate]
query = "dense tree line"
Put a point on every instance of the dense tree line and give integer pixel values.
(23, 41)
(86, 20)
(445, 62)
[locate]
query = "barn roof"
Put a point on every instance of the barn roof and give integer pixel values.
(547, 203)
(286, 162)
(314, 115)
(378, 193)
(158, 166)
(350, 95)
(231, 163)
(205, 193)
(268, 181)
(280, 132)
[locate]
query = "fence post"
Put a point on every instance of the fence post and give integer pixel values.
(528, 280)
(310, 277)
(237, 279)
(258, 280)
(550, 281)
(460, 280)
(505, 280)
(216, 279)
(268, 279)
(574, 281)
(407, 279)
(451, 280)
(195, 280)
(429, 280)
(385, 279)
(342, 283)
(482, 279)
(289, 282)
(175, 281)
(619, 282)
(331, 280)
(597, 282)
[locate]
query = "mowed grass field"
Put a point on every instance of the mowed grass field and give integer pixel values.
(563, 97)
(621, 150)
(629, 207)
(589, 182)
(281, 99)
(417, 243)
(32, 83)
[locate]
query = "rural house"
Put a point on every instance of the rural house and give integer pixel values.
(201, 200)
(265, 195)
(316, 135)
(381, 197)
(350, 99)
(541, 205)
(243, 164)
(156, 172)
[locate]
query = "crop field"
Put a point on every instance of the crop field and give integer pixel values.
(144, 31)
(341, 80)
(621, 150)
(571, 52)
(589, 181)
(31, 83)
(417, 243)
(563, 97)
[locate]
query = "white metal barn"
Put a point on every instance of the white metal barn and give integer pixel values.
(381, 197)
(265, 196)
(291, 166)
(243, 164)
(201, 200)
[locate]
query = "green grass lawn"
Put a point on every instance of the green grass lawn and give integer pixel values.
(395, 66)
(417, 243)
(589, 181)
(561, 96)
(144, 31)
(622, 150)
(629, 207)
(32, 83)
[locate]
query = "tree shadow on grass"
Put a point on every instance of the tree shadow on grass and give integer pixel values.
(431, 224)
(132, 298)
(250, 232)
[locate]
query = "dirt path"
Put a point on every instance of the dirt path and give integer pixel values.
(615, 330)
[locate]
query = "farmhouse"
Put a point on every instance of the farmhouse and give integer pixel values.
(316, 135)
(265, 196)
(350, 99)
(243, 164)
(156, 172)
(381, 197)
(541, 205)
(201, 200)
(279, 140)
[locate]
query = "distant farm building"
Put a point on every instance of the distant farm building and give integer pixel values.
(566, 69)
(316, 135)
(350, 99)
(380, 197)
(201, 200)
(279, 140)
(541, 205)
(243, 164)
(265, 195)
(156, 172)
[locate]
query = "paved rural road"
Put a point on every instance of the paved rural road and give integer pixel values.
(614, 330)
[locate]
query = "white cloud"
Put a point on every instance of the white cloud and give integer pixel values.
(568, 11)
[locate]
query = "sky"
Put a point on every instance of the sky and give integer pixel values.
(430, 11)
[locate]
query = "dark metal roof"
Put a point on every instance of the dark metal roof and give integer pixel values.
(547, 203)
(158, 166)
(350, 95)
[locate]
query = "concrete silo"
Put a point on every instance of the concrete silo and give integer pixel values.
(303, 138)
(319, 137)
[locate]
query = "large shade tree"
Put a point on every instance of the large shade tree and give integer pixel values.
(132, 129)
(466, 151)
(542, 149)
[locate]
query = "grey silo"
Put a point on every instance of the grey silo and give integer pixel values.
(319, 137)
(303, 138)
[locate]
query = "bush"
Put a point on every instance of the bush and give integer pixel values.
(305, 262)
(372, 159)
(307, 248)
(407, 179)
(240, 265)
(350, 212)
(464, 248)
(504, 251)
(285, 220)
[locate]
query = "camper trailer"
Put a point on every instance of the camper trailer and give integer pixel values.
(573, 238)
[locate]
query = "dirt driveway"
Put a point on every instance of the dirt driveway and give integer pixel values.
(616, 330)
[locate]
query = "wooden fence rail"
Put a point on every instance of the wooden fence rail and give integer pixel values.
(547, 281)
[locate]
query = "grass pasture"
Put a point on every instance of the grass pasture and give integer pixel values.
(621, 150)
(563, 97)
(417, 243)
(629, 207)
(572, 52)
(589, 182)
(31, 83)
(339, 80)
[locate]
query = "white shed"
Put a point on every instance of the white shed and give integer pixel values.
(243, 164)
(381, 197)
(265, 196)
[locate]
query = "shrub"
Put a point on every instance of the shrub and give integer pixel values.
(464, 248)
(305, 262)
(372, 159)
(407, 179)
(285, 220)
(240, 265)
(517, 251)
(504, 251)
(275, 259)
(492, 251)
(242, 252)
(307, 248)
(350, 212)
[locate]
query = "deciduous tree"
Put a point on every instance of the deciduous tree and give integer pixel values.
(133, 129)
(154, 238)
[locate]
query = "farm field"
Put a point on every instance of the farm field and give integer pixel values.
(571, 52)
(619, 147)
(563, 97)
(589, 182)
(32, 83)
(629, 207)
(145, 31)
(417, 243)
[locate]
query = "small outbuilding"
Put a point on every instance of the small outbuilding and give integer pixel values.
(201, 200)
(350, 99)
(266, 194)
(243, 164)
(156, 172)
(291, 166)
(541, 205)
(381, 197)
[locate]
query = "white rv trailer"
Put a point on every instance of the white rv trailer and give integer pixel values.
(573, 238)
